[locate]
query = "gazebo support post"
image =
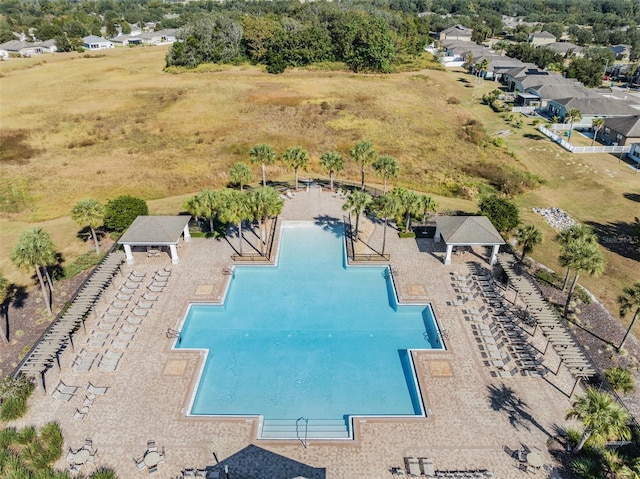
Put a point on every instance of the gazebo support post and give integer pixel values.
(186, 234)
(447, 258)
(494, 254)
(174, 254)
(128, 253)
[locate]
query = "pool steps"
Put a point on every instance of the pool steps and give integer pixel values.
(315, 429)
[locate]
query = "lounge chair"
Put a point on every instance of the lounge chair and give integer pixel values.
(144, 304)
(413, 466)
(136, 274)
(70, 455)
(131, 320)
(428, 469)
(129, 285)
(155, 289)
(123, 296)
(151, 445)
(127, 328)
(80, 414)
(108, 365)
(188, 472)
(89, 399)
(127, 291)
(112, 354)
(63, 388)
(125, 336)
(105, 326)
(119, 344)
(92, 456)
(97, 389)
(88, 444)
(139, 312)
(136, 279)
(114, 311)
(150, 297)
(83, 364)
(164, 273)
(106, 318)
(60, 396)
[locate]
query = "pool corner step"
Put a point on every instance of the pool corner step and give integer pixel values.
(314, 429)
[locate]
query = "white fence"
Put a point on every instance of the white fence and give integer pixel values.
(581, 149)
(523, 109)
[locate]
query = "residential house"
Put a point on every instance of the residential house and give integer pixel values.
(93, 42)
(590, 108)
(541, 38)
(161, 37)
(455, 52)
(457, 32)
(514, 77)
(566, 49)
(127, 40)
(634, 154)
(621, 131)
(498, 64)
(20, 48)
(553, 91)
(622, 52)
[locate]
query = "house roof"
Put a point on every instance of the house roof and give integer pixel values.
(468, 230)
(598, 106)
(627, 125)
(94, 39)
(17, 45)
(458, 30)
(566, 90)
(563, 47)
(155, 230)
(543, 34)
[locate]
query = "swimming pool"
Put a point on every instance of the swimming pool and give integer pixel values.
(309, 338)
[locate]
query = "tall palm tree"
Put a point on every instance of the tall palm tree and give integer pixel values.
(628, 300)
(264, 155)
(240, 174)
(409, 204)
(296, 158)
(35, 249)
(387, 167)
(363, 153)
(569, 235)
(603, 418)
(426, 205)
(572, 116)
(205, 204)
(528, 237)
(235, 209)
(581, 256)
(356, 202)
(331, 162)
(264, 203)
(90, 213)
(596, 125)
(385, 207)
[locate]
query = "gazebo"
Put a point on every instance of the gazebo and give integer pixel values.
(467, 231)
(150, 231)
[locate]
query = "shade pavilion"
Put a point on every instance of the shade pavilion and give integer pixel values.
(467, 231)
(156, 231)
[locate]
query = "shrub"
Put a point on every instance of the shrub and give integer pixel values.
(498, 141)
(13, 397)
(452, 100)
(502, 213)
(81, 264)
(406, 234)
(473, 131)
(550, 278)
(122, 211)
(13, 408)
(620, 379)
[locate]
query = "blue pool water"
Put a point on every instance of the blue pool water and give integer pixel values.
(309, 337)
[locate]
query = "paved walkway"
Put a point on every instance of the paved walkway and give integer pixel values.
(471, 415)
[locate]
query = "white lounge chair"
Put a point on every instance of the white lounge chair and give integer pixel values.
(97, 389)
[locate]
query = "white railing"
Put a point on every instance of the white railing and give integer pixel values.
(581, 149)
(523, 109)
(567, 126)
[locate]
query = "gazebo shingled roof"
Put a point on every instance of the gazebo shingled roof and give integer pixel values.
(155, 230)
(467, 231)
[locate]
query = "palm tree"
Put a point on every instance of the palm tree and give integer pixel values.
(35, 249)
(483, 68)
(235, 209)
(572, 116)
(5, 293)
(331, 162)
(386, 206)
(620, 379)
(581, 256)
(296, 158)
(264, 155)
(596, 125)
(569, 235)
(356, 202)
(263, 204)
(602, 418)
(240, 174)
(204, 205)
(628, 300)
(426, 205)
(90, 213)
(528, 237)
(363, 153)
(409, 204)
(387, 167)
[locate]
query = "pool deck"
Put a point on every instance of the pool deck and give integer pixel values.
(472, 415)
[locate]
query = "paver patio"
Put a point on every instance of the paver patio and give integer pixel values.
(471, 415)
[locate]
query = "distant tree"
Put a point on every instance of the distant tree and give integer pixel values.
(528, 237)
(426, 205)
(264, 155)
(556, 29)
(331, 162)
(582, 257)
(120, 212)
(296, 158)
(628, 301)
(586, 71)
(502, 213)
(596, 124)
(205, 204)
(500, 46)
(603, 418)
(35, 249)
(575, 233)
(89, 212)
(572, 116)
(356, 202)
(387, 167)
(363, 153)
(240, 174)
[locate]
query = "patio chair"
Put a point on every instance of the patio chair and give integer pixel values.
(139, 463)
(80, 414)
(105, 326)
(130, 285)
(124, 336)
(201, 473)
(112, 354)
(129, 328)
(153, 469)
(89, 399)
(60, 396)
(136, 279)
(127, 291)
(123, 296)
(88, 443)
(144, 304)
(108, 365)
(413, 466)
(137, 274)
(155, 289)
(114, 311)
(92, 456)
(70, 455)
(139, 312)
(151, 445)
(97, 389)
(119, 304)
(63, 388)
(134, 321)
(83, 364)
(188, 472)
(162, 456)
(107, 318)
(119, 344)
(150, 297)
(164, 273)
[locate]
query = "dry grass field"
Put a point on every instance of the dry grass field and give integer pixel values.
(103, 124)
